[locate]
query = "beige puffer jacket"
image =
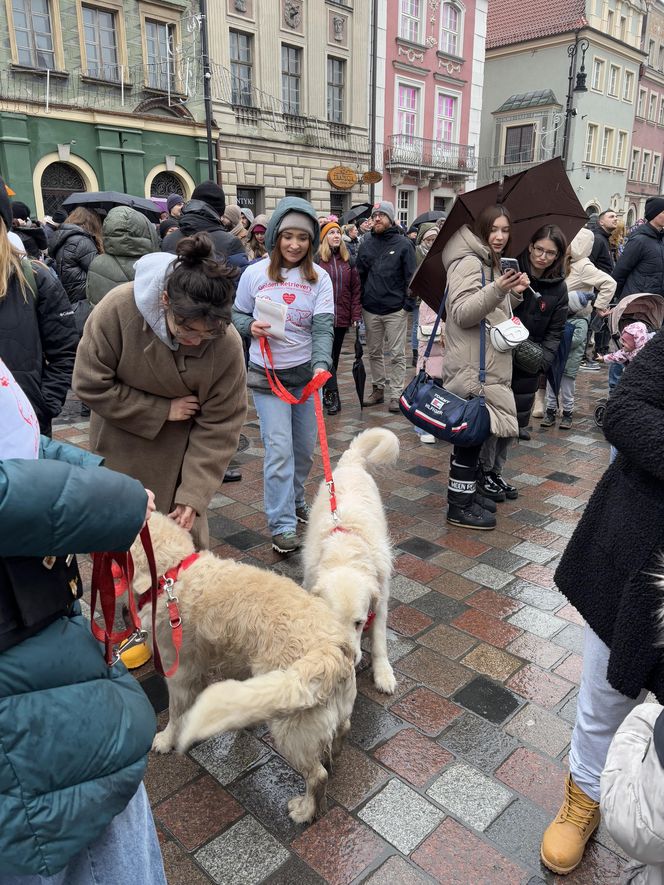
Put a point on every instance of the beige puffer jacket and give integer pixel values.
(632, 795)
(467, 304)
(584, 276)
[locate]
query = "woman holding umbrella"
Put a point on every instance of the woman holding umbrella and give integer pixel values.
(477, 291)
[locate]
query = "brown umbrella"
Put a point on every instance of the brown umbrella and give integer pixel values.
(540, 195)
(359, 372)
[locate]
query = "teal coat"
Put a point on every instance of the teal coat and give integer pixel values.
(74, 733)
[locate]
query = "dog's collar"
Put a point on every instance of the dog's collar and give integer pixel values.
(168, 579)
(370, 617)
(340, 528)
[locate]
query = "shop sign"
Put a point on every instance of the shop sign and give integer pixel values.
(342, 177)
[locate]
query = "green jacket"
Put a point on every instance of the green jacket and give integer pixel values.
(74, 732)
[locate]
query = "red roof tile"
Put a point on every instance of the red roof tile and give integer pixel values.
(513, 21)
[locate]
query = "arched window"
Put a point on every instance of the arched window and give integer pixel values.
(451, 29)
(592, 209)
(165, 183)
(59, 181)
(631, 217)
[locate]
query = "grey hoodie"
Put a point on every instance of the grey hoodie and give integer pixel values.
(152, 271)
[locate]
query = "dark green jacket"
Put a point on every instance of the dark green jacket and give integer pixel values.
(74, 733)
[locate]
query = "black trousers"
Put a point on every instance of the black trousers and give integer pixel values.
(467, 456)
(337, 344)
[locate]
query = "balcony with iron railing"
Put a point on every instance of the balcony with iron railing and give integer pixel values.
(409, 153)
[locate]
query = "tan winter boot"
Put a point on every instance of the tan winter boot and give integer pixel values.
(377, 397)
(565, 839)
(538, 407)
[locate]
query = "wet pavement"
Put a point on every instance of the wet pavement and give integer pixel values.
(453, 778)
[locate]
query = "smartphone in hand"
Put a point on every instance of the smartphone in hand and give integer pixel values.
(507, 264)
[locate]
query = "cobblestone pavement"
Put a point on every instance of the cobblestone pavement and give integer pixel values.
(454, 778)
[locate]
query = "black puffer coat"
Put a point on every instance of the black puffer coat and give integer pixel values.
(545, 319)
(641, 266)
(38, 342)
(72, 248)
(198, 217)
(607, 571)
(34, 239)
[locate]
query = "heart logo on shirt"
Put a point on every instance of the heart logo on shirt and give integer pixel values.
(289, 297)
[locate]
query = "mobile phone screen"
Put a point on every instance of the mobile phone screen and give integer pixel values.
(509, 264)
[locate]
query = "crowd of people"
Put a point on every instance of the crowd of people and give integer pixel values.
(162, 330)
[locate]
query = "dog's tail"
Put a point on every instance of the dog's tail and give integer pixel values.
(371, 448)
(231, 705)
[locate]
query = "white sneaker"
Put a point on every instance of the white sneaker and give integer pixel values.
(427, 438)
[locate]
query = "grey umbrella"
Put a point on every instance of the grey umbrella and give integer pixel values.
(108, 199)
(434, 215)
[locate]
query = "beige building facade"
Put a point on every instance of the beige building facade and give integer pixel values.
(290, 96)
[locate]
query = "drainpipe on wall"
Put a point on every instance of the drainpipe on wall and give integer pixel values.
(372, 95)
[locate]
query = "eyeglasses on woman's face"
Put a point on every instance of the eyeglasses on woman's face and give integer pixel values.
(185, 333)
(544, 253)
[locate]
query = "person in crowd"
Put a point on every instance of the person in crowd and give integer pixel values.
(247, 217)
(334, 257)
(203, 214)
(256, 238)
(127, 236)
(386, 264)
(55, 501)
(350, 236)
(175, 205)
(53, 222)
(617, 241)
(477, 290)
(366, 227)
(608, 573)
(441, 221)
(543, 311)
(633, 338)
(641, 266)
(167, 226)
(600, 255)
(232, 222)
(288, 431)
(412, 233)
(324, 219)
(38, 336)
(32, 234)
(73, 247)
(162, 370)
(434, 364)
(426, 235)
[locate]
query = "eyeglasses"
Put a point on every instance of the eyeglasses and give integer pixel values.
(544, 253)
(182, 330)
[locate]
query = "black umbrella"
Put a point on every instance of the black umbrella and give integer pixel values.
(434, 215)
(108, 199)
(554, 374)
(359, 372)
(540, 195)
(356, 213)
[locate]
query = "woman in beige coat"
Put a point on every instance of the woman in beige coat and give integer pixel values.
(162, 369)
(471, 259)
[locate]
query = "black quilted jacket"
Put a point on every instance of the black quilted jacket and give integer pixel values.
(72, 249)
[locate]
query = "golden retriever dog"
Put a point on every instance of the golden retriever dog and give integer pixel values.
(247, 621)
(349, 563)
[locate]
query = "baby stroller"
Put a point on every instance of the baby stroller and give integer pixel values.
(639, 308)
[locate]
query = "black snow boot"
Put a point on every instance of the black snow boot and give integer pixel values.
(462, 508)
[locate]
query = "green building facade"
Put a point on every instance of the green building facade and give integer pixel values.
(100, 96)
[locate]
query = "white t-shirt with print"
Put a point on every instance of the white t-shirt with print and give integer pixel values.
(19, 428)
(304, 300)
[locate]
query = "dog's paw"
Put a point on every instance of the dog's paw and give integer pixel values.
(384, 678)
(163, 742)
(301, 809)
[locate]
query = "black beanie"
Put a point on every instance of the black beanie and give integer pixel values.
(210, 192)
(5, 206)
(20, 210)
(654, 205)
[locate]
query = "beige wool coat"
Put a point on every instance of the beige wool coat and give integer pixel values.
(128, 377)
(468, 303)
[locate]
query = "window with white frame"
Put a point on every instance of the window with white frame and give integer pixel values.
(336, 84)
(408, 111)
(242, 77)
(614, 77)
(645, 166)
(660, 58)
(641, 107)
(446, 117)
(405, 203)
(634, 164)
(591, 142)
(628, 86)
(33, 33)
(622, 29)
(610, 21)
(291, 78)
(652, 107)
(160, 45)
(656, 168)
(101, 44)
(410, 20)
(621, 151)
(450, 29)
(519, 144)
(605, 156)
(661, 111)
(597, 82)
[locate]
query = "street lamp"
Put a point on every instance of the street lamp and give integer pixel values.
(576, 82)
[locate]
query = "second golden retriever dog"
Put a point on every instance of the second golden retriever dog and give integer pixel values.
(349, 563)
(247, 621)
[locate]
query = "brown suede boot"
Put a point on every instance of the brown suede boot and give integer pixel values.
(377, 397)
(565, 839)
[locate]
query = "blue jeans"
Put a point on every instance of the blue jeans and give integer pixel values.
(414, 343)
(127, 851)
(615, 372)
(289, 437)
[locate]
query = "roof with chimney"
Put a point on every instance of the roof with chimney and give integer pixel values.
(514, 21)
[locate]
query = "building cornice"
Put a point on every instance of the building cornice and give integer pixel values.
(597, 37)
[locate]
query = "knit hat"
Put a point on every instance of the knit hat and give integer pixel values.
(331, 225)
(59, 216)
(173, 201)
(5, 206)
(248, 214)
(231, 215)
(210, 192)
(297, 221)
(166, 225)
(386, 207)
(22, 211)
(654, 205)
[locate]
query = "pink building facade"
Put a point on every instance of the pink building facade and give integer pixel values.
(430, 101)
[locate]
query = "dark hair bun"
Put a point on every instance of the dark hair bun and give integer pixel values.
(195, 249)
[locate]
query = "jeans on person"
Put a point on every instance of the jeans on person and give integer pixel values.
(127, 851)
(600, 710)
(289, 437)
(615, 373)
(494, 453)
(414, 343)
(566, 395)
(387, 332)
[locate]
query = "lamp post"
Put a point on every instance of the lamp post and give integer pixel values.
(207, 97)
(576, 82)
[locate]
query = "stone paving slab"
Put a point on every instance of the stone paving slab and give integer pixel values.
(454, 777)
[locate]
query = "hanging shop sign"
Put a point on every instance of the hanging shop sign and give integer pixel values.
(372, 177)
(342, 177)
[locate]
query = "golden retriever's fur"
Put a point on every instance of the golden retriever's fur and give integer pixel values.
(251, 622)
(350, 569)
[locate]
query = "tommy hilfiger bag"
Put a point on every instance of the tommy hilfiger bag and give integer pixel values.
(434, 409)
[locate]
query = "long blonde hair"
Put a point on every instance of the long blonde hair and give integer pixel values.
(325, 253)
(10, 265)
